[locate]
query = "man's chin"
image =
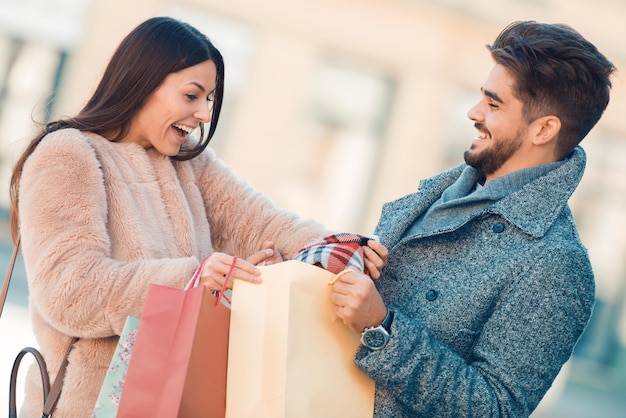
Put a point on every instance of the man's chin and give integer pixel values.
(473, 159)
(470, 156)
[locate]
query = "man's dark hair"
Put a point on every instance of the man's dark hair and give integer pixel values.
(557, 72)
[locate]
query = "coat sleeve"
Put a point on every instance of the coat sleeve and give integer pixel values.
(242, 219)
(75, 285)
(516, 356)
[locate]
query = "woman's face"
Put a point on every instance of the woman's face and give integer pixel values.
(177, 107)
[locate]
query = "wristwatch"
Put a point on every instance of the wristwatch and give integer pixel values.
(376, 338)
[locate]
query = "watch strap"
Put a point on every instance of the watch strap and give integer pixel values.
(388, 320)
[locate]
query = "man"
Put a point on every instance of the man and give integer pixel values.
(488, 288)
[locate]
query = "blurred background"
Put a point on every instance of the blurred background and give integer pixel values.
(332, 108)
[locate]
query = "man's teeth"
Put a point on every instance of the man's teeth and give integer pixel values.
(187, 129)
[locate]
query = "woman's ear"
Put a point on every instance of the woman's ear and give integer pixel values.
(547, 129)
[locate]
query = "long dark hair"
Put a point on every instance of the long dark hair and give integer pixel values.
(153, 50)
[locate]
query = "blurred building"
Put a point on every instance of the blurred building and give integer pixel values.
(334, 107)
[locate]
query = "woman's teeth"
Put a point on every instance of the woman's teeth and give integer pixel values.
(186, 129)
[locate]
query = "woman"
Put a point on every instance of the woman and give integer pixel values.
(121, 196)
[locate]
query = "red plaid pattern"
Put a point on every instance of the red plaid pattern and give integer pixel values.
(336, 252)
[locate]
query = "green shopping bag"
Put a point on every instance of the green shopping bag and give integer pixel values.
(111, 390)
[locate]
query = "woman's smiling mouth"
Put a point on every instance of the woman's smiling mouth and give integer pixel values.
(182, 130)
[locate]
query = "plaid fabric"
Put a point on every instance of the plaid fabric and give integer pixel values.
(336, 253)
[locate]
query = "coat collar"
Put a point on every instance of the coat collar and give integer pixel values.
(527, 208)
(530, 209)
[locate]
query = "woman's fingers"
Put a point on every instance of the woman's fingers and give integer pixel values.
(268, 255)
(219, 265)
(261, 256)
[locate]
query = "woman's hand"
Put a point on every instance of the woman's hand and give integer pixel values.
(218, 265)
(268, 255)
(375, 258)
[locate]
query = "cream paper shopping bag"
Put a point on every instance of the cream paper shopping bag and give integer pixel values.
(289, 355)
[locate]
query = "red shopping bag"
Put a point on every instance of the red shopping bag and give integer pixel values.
(178, 366)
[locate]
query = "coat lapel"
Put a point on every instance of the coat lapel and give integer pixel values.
(399, 214)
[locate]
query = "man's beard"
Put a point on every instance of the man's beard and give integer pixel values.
(490, 159)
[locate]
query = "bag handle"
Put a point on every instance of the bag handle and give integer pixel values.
(195, 279)
(50, 394)
(222, 293)
(43, 371)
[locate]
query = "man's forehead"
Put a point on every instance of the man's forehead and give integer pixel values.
(499, 84)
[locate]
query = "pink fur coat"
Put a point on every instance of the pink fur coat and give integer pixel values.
(100, 221)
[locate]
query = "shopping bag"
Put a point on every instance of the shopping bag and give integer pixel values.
(111, 389)
(289, 354)
(178, 366)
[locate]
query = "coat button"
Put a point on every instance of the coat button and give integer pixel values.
(497, 228)
(431, 295)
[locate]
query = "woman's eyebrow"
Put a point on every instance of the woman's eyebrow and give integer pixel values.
(200, 86)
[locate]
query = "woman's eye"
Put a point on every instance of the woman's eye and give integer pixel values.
(210, 97)
(192, 96)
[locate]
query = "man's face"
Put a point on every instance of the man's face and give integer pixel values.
(501, 127)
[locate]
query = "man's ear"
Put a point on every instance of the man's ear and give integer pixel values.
(546, 129)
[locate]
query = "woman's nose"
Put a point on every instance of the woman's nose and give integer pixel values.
(203, 113)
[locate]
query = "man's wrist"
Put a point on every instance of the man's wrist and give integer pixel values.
(376, 338)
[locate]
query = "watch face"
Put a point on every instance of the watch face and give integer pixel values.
(375, 338)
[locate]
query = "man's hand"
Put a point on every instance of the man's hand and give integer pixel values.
(375, 258)
(357, 301)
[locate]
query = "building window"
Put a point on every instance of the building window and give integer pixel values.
(236, 44)
(337, 155)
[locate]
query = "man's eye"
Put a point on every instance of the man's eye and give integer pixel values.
(493, 105)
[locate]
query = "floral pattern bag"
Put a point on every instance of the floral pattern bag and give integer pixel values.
(111, 390)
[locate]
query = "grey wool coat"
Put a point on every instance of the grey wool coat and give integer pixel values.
(487, 311)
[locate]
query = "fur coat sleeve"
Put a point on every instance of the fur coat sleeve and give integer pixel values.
(100, 221)
(242, 219)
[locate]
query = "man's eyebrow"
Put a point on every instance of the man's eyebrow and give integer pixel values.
(492, 95)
